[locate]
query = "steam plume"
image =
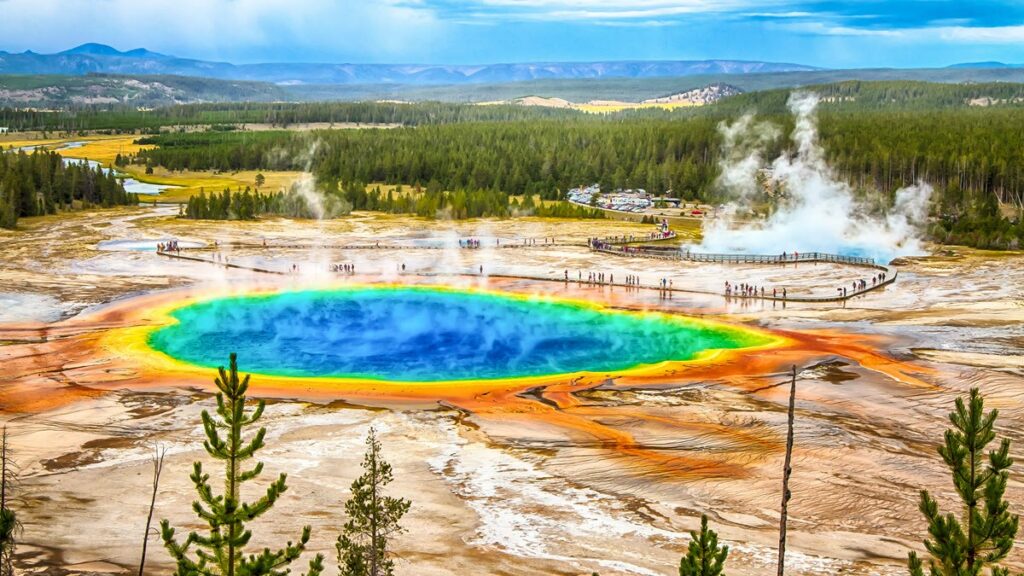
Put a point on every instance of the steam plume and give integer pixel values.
(818, 212)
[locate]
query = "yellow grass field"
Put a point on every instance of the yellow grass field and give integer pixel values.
(192, 182)
(7, 144)
(392, 188)
(104, 149)
(593, 106)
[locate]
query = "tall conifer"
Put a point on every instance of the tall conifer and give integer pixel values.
(373, 518)
(223, 551)
(982, 535)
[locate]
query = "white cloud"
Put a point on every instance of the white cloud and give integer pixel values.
(706, 5)
(943, 31)
(982, 35)
(430, 30)
(830, 29)
(206, 27)
(792, 14)
(635, 23)
(606, 11)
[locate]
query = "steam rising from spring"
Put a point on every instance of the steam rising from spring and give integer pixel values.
(313, 203)
(818, 213)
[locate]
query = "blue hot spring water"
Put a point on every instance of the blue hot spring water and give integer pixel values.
(424, 334)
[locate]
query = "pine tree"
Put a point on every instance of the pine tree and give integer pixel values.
(373, 518)
(222, 552)
(983, 535)
(704, 557)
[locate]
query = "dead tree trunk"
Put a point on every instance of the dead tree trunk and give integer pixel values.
(158, 466)
(785, 478)
(9, 524)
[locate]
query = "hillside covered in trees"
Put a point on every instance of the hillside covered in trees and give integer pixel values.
(963, 139)
(856, 95)
(130, 92)
(880, 135)
(41, 183)
(132, 119)
(842, 96)
(971, 155)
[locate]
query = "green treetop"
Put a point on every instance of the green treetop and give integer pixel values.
(983, 534)
(704, 557)
(222, 552)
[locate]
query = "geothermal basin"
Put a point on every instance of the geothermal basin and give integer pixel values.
(582, 443)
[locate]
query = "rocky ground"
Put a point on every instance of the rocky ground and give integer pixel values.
(524, 491)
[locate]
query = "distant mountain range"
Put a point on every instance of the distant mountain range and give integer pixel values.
(56, 91)
(985, 65)
(100, 58)
(99, 75)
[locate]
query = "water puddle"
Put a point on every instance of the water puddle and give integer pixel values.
(143, 245)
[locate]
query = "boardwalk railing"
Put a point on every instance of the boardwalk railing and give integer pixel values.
(674, 253)
(779, 258)
(653, 237)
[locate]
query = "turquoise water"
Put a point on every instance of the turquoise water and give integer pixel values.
(422, 335)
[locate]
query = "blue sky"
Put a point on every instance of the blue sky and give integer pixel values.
(868, 33)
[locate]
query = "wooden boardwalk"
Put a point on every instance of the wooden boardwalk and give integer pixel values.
(386, 246)
(674, 253)
(890, 276)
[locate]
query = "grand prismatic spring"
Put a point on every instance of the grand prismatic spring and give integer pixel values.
(430, 334)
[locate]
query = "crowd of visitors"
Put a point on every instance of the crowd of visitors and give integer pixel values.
(748, 290)
(665, 284)
(169, 246)
(744, 290)
(477, 243)
(861, 285)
